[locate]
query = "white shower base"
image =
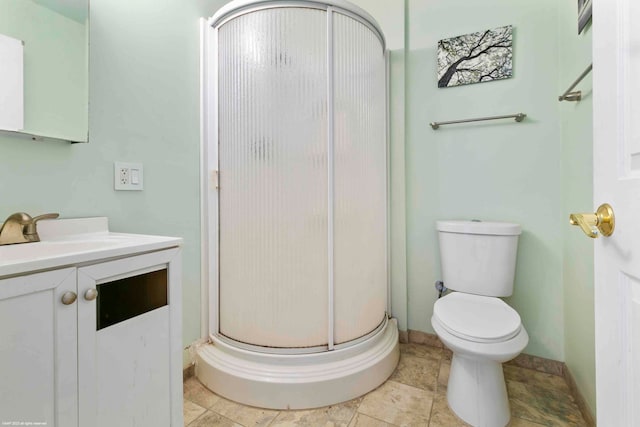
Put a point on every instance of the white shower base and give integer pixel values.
(299, 381)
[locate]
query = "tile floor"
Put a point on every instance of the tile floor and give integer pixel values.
(415, 395)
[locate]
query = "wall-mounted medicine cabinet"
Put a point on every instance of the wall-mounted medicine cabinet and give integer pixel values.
(52, 36)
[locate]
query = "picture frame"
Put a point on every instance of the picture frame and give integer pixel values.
(584, 13)
(478, 57)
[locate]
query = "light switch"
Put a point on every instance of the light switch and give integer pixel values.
(135, 176)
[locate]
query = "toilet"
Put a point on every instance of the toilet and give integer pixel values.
(478, 264)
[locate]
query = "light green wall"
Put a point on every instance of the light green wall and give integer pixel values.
(55, 76)
(398, 221)
(492, 171)
(577, 190)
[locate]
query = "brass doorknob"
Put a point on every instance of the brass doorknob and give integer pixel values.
(603, 221)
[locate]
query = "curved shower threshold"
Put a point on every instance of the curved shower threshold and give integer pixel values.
(298, 381)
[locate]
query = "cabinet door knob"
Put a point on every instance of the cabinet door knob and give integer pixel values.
(91, 294)
(69, 298)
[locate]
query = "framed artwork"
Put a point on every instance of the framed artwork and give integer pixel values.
(584, 14)
(475, 58)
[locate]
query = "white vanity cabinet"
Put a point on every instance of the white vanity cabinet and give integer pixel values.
(93, 339)
(38, 350)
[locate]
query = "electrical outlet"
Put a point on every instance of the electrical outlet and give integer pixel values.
(124, 176)
(127, 176)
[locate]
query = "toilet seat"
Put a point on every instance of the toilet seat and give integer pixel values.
(477, 318)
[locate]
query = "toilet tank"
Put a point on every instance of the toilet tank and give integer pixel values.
(478, 257)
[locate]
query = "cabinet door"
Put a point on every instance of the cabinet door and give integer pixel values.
(130, 373)
(38, 350)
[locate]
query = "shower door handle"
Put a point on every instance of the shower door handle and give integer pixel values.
(215, 179)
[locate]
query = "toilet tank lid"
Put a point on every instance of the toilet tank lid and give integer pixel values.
(480, 227)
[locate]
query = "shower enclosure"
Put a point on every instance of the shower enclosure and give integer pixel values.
(295, 204)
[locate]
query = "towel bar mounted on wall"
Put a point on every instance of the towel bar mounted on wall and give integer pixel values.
(568, 95)
(518, 117)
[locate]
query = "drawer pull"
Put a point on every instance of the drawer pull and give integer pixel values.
(69, 298)
(91, 294)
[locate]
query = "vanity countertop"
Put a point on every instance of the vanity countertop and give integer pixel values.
(65, 242)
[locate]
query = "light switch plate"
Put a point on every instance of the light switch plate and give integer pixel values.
(128, 176)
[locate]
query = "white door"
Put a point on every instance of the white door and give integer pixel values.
(616, 90)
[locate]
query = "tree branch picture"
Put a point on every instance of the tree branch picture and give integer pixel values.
(584, 14)
(475, 58)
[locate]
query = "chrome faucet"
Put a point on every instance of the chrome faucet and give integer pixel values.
(21, 228)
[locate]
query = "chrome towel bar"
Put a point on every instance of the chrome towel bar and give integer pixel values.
(518, 117)
(568, 95)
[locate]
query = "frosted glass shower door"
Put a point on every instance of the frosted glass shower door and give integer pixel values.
(360, 189)
(272, 88)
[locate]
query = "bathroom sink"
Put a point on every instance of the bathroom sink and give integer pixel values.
(50, 249)
(57, 249)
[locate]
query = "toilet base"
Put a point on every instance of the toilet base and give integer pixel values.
(477, 392)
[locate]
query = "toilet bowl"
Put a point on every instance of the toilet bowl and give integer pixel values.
(482, 334)
(478, 265)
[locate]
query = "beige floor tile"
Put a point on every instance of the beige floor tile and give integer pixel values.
(443, 375)
(415, 392)
(329, 416)
(191, 411)
(362, 420)
(197, 393)
(518, 422)
(398, 404)
(246, 415)
(529, 376)
(421, 350)
(211, 419)
(543, 405)
(417, 371)
(442, 415)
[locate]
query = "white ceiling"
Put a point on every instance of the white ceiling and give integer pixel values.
(77, 10)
